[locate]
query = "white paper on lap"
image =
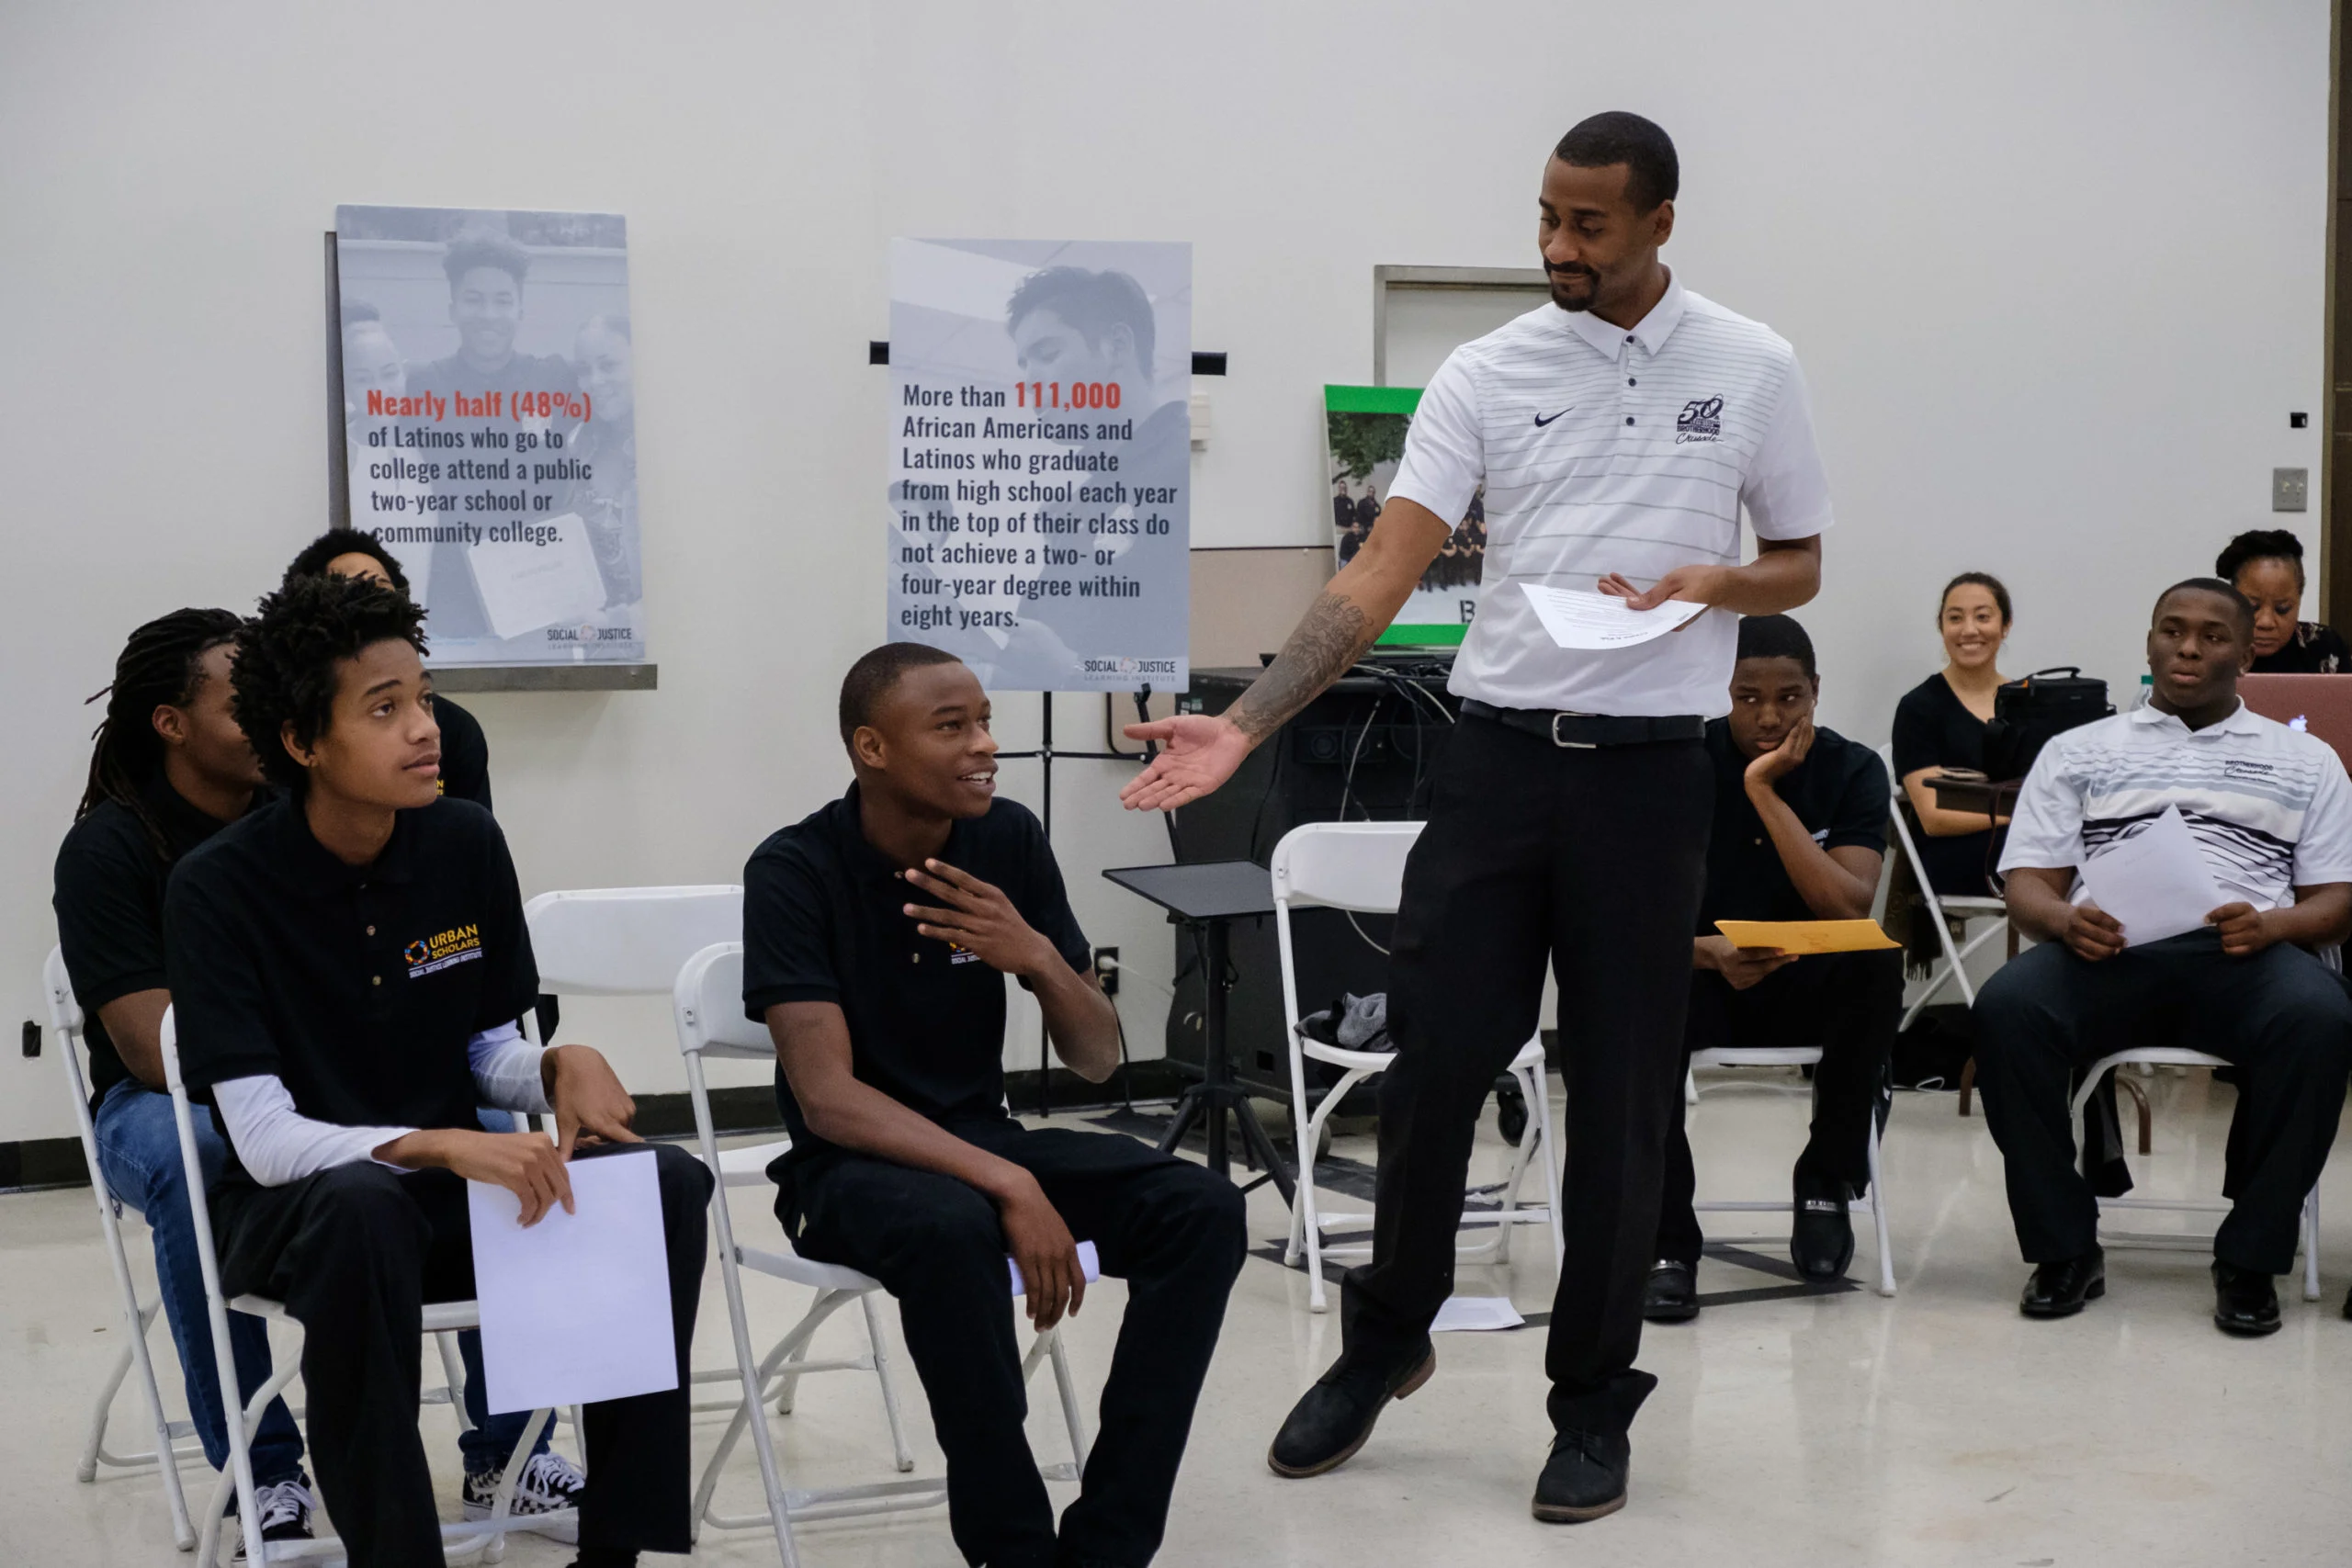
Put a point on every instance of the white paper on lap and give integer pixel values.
(1577, 619)
(2156, 882)
(1090, 1263)
(576, 1308)
(526, 587)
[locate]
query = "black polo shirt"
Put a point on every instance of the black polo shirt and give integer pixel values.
(1838, 792)
(109, 902)
(824, 922)
(464, 753)
(358, 986)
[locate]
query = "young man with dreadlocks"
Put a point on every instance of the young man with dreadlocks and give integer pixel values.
(345, 965)
(170, 769)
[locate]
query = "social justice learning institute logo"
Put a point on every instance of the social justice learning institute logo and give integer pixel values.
(430, 954)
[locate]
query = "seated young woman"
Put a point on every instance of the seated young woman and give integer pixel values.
(2267, 566)
(1939, 724)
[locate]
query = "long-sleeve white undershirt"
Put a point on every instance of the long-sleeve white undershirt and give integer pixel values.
(278, 1143)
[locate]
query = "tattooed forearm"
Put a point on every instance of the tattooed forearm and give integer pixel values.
(1333, 636)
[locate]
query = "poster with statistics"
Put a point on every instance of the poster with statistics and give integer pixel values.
(1037, 523)
(490, 425)
(1363, 431)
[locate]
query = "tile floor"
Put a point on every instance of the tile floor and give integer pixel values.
(1824, 1431)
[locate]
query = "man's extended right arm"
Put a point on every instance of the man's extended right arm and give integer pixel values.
(1200, 751)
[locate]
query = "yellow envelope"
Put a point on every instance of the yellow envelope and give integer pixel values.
(1807, 936)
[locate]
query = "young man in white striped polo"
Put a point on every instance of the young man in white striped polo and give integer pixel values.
(1619, 431)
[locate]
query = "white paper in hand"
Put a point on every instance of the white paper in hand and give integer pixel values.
(1090, 1263)
(2156, 882)
(576, 1308)
(1578, 619)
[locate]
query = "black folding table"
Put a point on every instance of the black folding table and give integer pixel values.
(1205, 897)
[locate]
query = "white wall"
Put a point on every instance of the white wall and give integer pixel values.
(2055, 271)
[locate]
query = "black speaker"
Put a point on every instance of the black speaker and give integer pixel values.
(1364, 751)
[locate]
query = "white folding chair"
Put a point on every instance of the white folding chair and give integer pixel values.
(1874, 1201)
(441, 1319)
(632, 941)
(1358, 867)
(2177, 1057)
(709, 1007)
(1944, 908)
(65, 1024)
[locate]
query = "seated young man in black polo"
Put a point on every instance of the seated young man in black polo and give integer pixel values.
(2271, 813)
(1798, 832)
(345, 965)
(876, 934)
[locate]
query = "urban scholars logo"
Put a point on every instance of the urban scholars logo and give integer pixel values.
(428, 954)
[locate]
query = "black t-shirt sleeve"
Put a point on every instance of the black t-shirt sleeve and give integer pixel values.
(465, 754)
(510, 984)
(1915, 733)
(1044, 902)
(788, 935)
(108, 922)
(1859, 816)
(218, 1006)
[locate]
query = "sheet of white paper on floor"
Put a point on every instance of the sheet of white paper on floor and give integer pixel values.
(1574, 618)
(1089, 1261)
(1470, 1314)
(576, 1308)
(2156, 882)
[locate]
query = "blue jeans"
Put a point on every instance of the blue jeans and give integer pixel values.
(139, 1154)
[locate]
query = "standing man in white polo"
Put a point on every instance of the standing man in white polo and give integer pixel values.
(1619, 431)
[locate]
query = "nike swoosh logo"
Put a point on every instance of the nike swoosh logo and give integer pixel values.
(1541, 422)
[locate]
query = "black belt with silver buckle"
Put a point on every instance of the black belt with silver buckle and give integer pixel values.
(1586, 731)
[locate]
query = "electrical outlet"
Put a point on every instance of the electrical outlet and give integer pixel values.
(32, 1038)
(1106, 969)
(2291, 489)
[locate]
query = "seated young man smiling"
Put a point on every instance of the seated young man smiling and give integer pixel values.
(876, 935)
(346, 963)
(2271, 813)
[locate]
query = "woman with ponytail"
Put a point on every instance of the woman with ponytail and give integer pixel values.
(169, 767)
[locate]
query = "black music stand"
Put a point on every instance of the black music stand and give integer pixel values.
(1204, 897)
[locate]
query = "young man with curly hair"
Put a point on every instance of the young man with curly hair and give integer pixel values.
(345, 964)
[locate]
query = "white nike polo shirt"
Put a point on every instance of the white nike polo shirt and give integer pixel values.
(1603, 450)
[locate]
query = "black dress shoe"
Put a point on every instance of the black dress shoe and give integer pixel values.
(2058, 1290)
(1332, 1419)
(1584, 1479)
(1671, 1292)
(1821, 1242)
(2246, 1301)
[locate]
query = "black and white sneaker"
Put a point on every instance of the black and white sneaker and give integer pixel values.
(550, 1483)
(285, 1511)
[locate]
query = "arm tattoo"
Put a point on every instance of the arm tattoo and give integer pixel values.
(1332, 636)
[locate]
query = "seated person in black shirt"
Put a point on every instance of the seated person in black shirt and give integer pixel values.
(345, 965)
(2267, 566)
(348, 552)
(1799, 830)
(170, 769)
(876, 935)
(1940, 723)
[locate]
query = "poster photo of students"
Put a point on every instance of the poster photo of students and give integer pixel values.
(1363, 440)
(489, 425)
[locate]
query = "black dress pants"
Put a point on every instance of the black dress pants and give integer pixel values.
(1591, 859)
(355, 1252)
(2280, 1017)
(1168, 1227)
(1846, 1003)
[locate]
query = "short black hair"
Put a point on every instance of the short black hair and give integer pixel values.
(2219, 587)
(2260, 544)
(285, 673)
(312, 561)
(1653, 173)
(467, 251)
(1091, 302)
(1983, 579)
(1776, 637)
(876, 672)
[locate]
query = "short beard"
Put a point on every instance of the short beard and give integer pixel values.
(1590, 280)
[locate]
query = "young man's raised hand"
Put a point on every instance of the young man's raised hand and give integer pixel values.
(977, 918)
